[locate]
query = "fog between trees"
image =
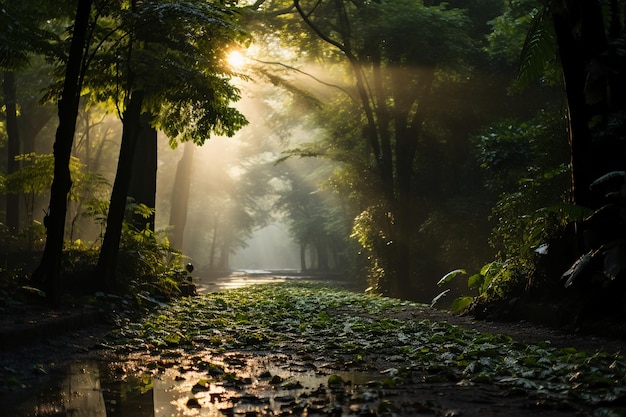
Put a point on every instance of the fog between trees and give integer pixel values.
(392, 154)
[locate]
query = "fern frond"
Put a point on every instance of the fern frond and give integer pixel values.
(539, 49)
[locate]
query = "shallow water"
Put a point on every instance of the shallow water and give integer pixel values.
(171, 387)
(93, 389)
(244, 277)
(236, 280)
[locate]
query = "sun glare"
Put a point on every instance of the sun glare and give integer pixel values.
(236, 59)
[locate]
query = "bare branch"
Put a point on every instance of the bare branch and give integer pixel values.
(289, 67)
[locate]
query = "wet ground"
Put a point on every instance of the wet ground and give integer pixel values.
(245, 277)
(76, 374)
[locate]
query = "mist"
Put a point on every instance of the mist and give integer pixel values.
(269, 248)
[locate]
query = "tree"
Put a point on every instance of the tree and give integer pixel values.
(23, 33)
(170, 69)
(142, 187)
(588, 40)
(313, 214)
(10, 102)
(180, 196)
(48, 271)
(395, 82)
(590, 44)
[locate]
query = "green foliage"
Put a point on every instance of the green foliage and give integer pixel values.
(78, 261)
(34, 179)
(315, 218)
(495, 281)
(371, 231)
(35, 176)
(509, 29)
(26, 30)
(526, 164)
(37, 171)
(173, 52)
(146, 261)
(287, 316)
(437, 33)
(28, 238)
(538, 56)
(447, 277)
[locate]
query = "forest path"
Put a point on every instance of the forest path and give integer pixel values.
(401, 359)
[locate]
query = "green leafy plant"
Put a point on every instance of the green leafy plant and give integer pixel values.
(147, 261)
(495, 281)
(526, 163)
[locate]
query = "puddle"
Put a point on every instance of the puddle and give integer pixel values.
(241, 384)
(245, 277)
(206, 285)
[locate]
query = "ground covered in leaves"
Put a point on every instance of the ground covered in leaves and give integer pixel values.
(301, 348)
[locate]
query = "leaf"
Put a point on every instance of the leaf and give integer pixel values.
(539, 48)
(439, 297)
(447, 277)
(461, 304)
(475, 281)
(33, 290)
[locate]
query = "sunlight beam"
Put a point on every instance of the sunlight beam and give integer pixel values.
(236, 60)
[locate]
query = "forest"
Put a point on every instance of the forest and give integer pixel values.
(466, 156)
(482, 139)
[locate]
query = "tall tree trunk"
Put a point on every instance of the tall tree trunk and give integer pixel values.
(213, 242)
(107, 261)
(47, 274)
(303, 266)
(180, 196)
(321, 248)
(142, 187)
(581, 37)
(13, 147)
(224, 263)
(574, 60)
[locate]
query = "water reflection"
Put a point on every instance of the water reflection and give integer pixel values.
(95, 389)
(245, 277)
(79, 393)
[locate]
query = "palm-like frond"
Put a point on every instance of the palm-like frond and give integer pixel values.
(538, 50)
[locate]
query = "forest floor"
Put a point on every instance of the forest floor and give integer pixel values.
(416, 360)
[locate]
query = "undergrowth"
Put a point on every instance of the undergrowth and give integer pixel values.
(315, 320)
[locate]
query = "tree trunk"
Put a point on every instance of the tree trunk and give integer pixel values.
(47, 274)
(224, 263)
(213, 243)
(303, 266)
(574, 62)
(321, 248)
(180, 196)
(142, 187)
(107, 261)
(13, 148)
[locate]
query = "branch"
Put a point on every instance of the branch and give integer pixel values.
(322, 35)
(338, 87)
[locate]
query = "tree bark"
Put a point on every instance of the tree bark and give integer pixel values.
(107, 261)
(213, 249)
(47, 274)
(180, 196)
(13, 147)
(303, 266)
(574, 60)
(142, 187)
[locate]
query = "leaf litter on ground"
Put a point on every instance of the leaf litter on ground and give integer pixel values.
(317, 325)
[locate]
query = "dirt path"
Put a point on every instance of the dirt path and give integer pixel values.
(32, 359)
